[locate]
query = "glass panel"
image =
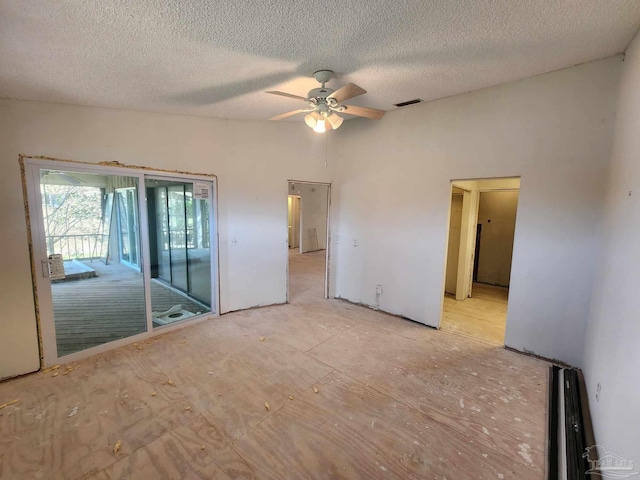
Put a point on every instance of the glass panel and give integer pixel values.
(98, 299)
(198, 252)
(127, 207)
(181, 262)
(178, 237)
(123, 226)
(158, 200)
(132, 210)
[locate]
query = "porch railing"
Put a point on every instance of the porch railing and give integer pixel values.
(79, 247)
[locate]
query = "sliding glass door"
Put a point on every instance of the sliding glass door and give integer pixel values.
(180, 246)
(96, 297)
(91, 225)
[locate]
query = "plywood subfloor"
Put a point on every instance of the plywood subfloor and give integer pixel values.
(483, 316)
(92, 311)
(394, 400)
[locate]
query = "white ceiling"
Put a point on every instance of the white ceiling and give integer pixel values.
(216, 58)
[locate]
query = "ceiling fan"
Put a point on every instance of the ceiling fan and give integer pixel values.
(324, 104)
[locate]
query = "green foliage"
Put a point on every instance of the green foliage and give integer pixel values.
(71, 210)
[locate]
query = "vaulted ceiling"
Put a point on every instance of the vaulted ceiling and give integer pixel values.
(216, 58)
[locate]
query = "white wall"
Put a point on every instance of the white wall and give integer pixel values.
(612, 348)
(253, 161)
(314, 203)
(393, 193)
(497, 215)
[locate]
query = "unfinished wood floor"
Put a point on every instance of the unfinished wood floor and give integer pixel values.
(483, 316)
(352, 394)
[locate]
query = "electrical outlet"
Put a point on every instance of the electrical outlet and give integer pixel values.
(378, 289)
(234, 242)
(598, 389)
(355, 242)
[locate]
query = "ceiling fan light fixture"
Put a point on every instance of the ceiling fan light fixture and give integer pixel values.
(320, 126)
(310, 121)
(323, 103)
(335, 120)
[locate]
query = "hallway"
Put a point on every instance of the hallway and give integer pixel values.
(483, 316)
(306, 276)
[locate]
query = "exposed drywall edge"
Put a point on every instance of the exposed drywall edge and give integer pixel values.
(532, 354)
(117, 164)
(255, 307)
(32, 262)
(378, 309)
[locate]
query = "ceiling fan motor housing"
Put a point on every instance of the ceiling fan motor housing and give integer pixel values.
(320, 93)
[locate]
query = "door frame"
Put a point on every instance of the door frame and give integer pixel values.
(137, 242)
(328, 236)
(299, 197)
(43, 299)
(465, 265)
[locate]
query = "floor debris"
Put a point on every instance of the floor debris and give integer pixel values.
(47, 370)
(9, 403)
(262, 339)
(290, 397)
(117, 446)
(267, 406)
(72, 412)
(315, 390)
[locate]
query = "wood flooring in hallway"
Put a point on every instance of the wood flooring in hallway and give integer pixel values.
(483, 316)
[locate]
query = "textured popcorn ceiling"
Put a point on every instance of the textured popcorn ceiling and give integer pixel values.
(216, 58)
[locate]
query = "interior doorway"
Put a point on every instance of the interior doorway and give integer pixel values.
(308, 207)
(118, 253)
(481, 234)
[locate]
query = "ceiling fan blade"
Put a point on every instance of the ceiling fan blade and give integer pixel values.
(288, 114)
(372, 113)
(350, 90)
(282, 94)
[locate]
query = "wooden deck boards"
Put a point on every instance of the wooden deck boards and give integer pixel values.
(394, 400)
(93, 311)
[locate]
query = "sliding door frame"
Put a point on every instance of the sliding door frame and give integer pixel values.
(38, 250)
(212, 237)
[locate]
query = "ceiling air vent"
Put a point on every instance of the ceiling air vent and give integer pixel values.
(408, 102)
